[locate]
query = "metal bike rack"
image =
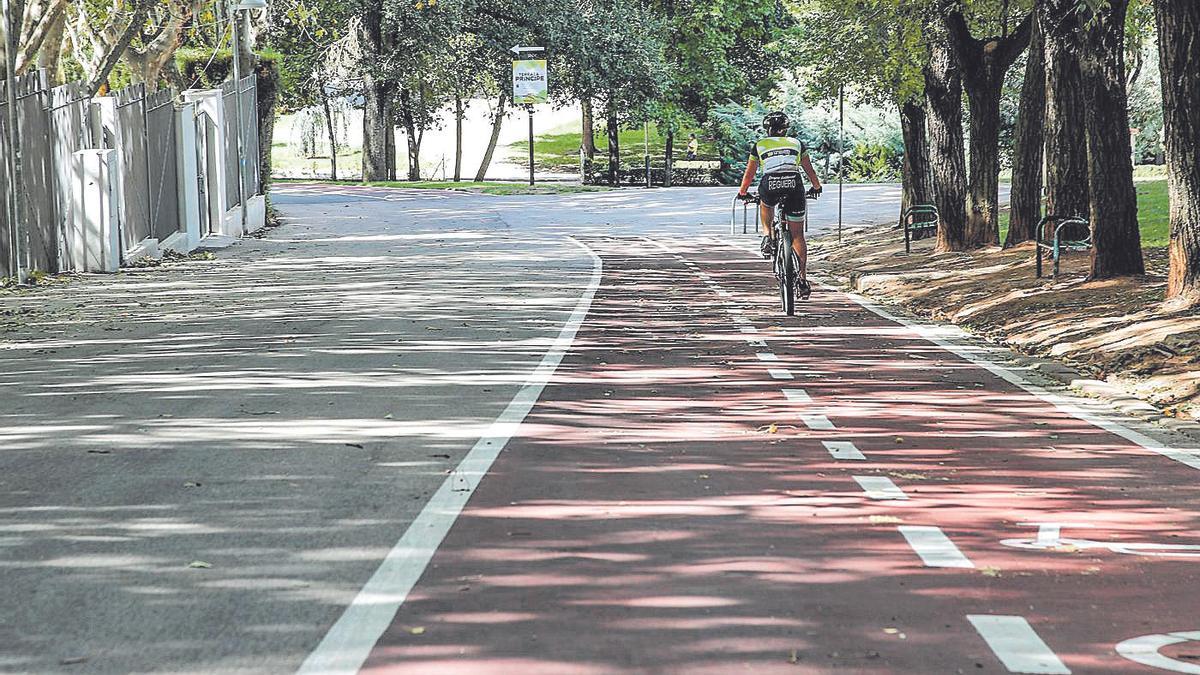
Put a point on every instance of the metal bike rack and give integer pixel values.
(1071, 234)
(745, 215)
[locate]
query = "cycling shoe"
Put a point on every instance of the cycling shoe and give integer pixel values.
(803, 289)
(767, 247)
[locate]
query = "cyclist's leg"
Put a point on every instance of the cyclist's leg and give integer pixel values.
(767, 217)
(799, 245)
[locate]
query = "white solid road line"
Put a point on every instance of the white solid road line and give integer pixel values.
(780, 374)
(748, 329)
(879, 487)
(1017, 645)
(934, 547)
(817, 422)
(797, 396)
(844, 450)
(766, 356)
(349, 642)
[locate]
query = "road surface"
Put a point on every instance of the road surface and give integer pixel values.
(443, 433)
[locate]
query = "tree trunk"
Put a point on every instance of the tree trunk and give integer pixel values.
(377, 126)
(669, 157)
(614, 144)
(1066, 140)
(458, 133)
(1179, 59)
(915, 169)
(943, 94)
(1116, 242)
(588, 128)
(411, 136)
(983, 64)
(1029, 147)
(497, 120)
(329, 129)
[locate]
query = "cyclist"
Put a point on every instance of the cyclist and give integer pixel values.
(781, 157)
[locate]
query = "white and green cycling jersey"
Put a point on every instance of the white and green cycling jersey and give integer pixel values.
(778, 153)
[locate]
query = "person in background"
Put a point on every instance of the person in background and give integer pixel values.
(693, 147)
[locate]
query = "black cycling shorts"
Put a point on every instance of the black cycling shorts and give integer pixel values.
(784, 187)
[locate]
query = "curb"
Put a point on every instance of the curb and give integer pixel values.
(1056, 372)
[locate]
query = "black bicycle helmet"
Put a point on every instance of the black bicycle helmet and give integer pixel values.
(776, 122)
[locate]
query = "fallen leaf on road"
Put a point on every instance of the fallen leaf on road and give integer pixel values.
(793, 657)
(1065, 548)
(899, 440)
(1090, 571)
(891, 631)
(772, 429)
(417, 630)
(990, 571)
(191, 484)
(199, 565)
(72, 660)
(387, 416)
(703, 476)
(908, 476)
(885, 519)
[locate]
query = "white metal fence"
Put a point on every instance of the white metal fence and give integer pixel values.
(108, 179)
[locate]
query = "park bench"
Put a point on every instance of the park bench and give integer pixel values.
(701, 164)
(919, 221)
(1071, 233)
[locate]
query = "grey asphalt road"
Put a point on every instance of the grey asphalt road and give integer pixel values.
(204, 461)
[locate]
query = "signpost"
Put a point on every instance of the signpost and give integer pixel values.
(530, 87)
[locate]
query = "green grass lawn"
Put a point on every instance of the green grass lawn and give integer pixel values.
(558, 150)
(1153, 215)
(484, 187)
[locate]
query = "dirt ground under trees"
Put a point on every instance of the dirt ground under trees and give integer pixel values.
(1114, 330)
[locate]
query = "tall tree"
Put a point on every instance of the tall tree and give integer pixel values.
(379, 88)
(1179, 61)
(1028, 150)
(983, 63)
(943, 96)
(1066, 138)
(1116, 248)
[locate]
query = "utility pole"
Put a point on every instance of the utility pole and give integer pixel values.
(13, 134)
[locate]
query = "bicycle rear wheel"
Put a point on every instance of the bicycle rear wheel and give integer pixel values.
(785, 266)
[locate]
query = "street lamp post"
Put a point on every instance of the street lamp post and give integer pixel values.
(241, 21)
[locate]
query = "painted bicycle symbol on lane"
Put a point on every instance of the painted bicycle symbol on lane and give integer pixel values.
(1049, 538)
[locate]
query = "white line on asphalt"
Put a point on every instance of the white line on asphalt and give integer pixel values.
(724, 294)
(749, 329)
(756, 342)
(934, 547)
(879, 487)
(349, 642)
(1017, 645)
(766, 356)
(780, 374)
(797, 396)
(844, 450)
(817, 422)
(1188, 457)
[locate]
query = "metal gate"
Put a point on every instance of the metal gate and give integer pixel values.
(135, 185)
(163, 169)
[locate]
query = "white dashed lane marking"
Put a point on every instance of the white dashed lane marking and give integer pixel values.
(844, 450)
(879, 487)
(780, 374)
(797, 396)
(766, 356)
(1017, 645)
(749, 329)
(934, 547)
(817, 422)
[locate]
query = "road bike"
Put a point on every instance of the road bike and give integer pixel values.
(785, 261)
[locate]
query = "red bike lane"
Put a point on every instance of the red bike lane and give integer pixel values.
(709, 487)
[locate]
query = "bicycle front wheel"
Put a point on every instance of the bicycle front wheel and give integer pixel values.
(786, 266)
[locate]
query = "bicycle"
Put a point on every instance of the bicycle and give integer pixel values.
(786, 263)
